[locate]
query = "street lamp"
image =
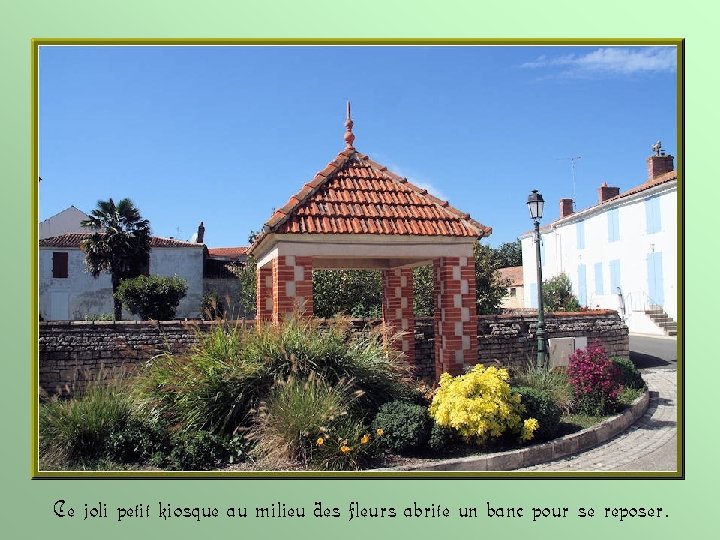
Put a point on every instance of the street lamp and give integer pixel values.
(535, 204)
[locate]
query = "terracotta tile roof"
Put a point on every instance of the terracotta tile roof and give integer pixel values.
(228, 252)
(355, 195)
(514, 274)
(73, 240)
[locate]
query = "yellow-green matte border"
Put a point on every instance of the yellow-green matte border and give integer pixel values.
(36, 43)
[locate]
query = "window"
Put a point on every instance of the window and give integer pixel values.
(582, 284)
(613, 225)
(60, 264)
(614, 276)
(513, 291)
(598, 279)
(580, 234)
(652, 215)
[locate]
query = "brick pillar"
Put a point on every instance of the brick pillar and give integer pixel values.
(264, 294)
(291, 286)
(398, 307)
(456, 345)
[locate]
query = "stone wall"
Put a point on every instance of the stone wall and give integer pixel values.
(75, 352)
(510, 340)
(71, 353)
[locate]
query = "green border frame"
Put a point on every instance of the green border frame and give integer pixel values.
(35, 45)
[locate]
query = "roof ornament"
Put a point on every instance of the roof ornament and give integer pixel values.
(349, 136)
(657, 149)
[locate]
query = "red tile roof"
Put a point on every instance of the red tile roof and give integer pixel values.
(514, 274)
(73, 240)
(228, 252)
(355, 195)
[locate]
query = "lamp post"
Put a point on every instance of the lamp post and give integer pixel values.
(535, 204)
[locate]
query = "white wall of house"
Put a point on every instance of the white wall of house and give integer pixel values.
(184, 262)
(640, 256)
(67, 221)
(76, 296)
(80, 295)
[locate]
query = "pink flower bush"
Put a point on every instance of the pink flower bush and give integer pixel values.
(595, 379)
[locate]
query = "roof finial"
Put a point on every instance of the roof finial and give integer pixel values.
(349, 136)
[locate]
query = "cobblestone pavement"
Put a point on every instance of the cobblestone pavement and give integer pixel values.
(649, 445)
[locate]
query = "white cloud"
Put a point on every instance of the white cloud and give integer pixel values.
(611, 60)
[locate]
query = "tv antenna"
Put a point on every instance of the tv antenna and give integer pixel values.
(572, 169)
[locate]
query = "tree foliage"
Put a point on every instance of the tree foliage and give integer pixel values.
(558, 295)
(354, 293)
(152, 297)
(247, 275)
(491, 287)
(119, 243)
(509, 254)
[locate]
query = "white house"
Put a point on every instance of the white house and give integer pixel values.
(67, 221)
(515, 297)
(69, 292)
(619, 254)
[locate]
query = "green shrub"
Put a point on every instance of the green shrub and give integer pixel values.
(152, 297)
(539, 404)
(198, 451)
(139, 441)
(78, 430)
(442, 439)
(554, 382)
(630, 376)
(306, 422)
(405, 426)
(558, 295)
(297, 412)
(231, 370)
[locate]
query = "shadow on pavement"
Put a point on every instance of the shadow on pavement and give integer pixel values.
(643, 361)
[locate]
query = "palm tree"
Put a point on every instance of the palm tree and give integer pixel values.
(119, 244)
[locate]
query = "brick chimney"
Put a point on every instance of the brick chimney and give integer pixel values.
(566, 207)
(607, 192)
(658, 165)
(200, 233)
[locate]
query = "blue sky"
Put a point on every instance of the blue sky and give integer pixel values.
(225, 134)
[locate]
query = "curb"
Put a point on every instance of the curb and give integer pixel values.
(541, 453)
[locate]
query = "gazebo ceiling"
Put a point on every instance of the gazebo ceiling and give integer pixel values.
(356, 201)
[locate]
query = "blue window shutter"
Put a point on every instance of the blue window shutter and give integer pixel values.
(598, 278)
(533, 295)
(580, 233)
(614, 276)
(613, 225)
(582, 285)
(652, 215)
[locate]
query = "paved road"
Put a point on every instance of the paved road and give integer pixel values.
(651, 443)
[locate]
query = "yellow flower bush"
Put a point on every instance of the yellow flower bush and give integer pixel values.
(480, 405)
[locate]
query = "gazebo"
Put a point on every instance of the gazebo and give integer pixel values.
(356, 214)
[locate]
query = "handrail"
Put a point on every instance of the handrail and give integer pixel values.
(640, 301)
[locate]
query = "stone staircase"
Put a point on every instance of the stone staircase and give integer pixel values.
(662, 320)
